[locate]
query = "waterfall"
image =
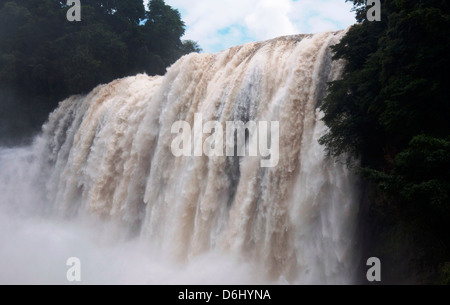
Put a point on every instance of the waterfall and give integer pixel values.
(108, 155)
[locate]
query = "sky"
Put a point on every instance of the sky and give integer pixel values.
(221, 24)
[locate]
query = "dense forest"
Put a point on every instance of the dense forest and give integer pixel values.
(390, 113)
(44, 58)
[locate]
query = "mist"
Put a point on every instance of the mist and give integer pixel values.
(35, 246)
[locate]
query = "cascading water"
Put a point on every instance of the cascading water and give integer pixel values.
(108, 155)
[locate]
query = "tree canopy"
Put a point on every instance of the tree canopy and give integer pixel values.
(391, 112)
(45, 58)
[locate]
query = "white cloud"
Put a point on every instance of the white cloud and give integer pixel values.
(220, 24)
(270, 19)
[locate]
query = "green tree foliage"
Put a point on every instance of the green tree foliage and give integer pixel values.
(391, 111)
(44, 58)
(189, 46)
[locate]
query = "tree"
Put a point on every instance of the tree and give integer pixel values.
(44, 58)
(390, 111)
(163, 31)
(190, 46)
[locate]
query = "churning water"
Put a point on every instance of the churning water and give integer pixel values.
(101, 183)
